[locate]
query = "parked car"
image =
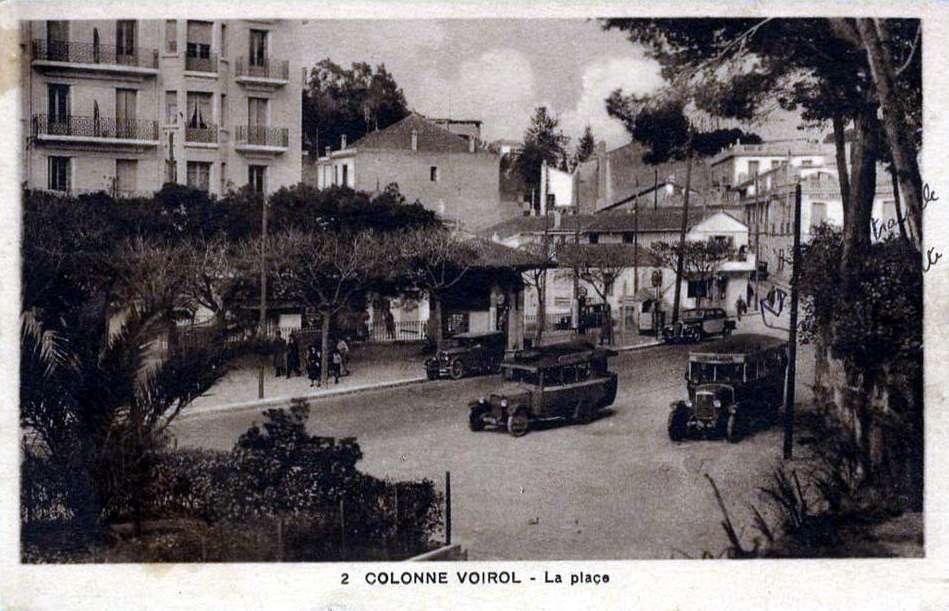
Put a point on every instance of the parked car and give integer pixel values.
(569, 381)
(466, 353)
(732, 385)
(696, 324)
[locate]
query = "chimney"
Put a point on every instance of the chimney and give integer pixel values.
(414, 139)
(471, 145)
(602, 176)
(342, 142)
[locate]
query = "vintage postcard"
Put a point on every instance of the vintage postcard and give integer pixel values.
(357, 306)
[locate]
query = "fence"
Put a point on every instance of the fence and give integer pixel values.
(402, 331)
(93, 53)
(553, 321)
(94, 127)
(262, 135)
(269, 69)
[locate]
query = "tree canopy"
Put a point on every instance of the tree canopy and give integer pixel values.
(543, 141)
(351, 102)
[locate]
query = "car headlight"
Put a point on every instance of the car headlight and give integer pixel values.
(717, 403)
(503, 402)
(688, 403)
(481, 400)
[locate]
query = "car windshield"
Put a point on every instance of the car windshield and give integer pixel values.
(453, 342)
(516, 374)
(692, 316)
(711, 372)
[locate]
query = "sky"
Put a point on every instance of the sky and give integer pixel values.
(499, 70)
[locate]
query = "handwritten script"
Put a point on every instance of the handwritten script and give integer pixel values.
(890, 226)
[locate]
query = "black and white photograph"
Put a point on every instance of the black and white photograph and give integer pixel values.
(474, 295)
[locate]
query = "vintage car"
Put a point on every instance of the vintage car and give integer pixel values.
(465, 353)
(732, 385)
(568, 381)
(698, 323)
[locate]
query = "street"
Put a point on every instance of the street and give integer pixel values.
(617, 488)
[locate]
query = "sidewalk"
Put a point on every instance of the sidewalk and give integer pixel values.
(371, 366)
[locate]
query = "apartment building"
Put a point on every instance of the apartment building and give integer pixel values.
(125, 106)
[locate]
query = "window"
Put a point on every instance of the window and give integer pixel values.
(57, 40)
(223, 113)
(223, 40)
(807, 163)
(753, 168)
(258, 48)
(58, 104)
(199, 175)
(125, 113)
(171, 107)
(59, 174)
(223, 177)
(345, 175)
(171, 146)
(698, 288)
(126, 175)
(256, 112)
(124, 38)
(433, 174)
(628, 237)
(198, 54)
(171, 36)
(594, 238)
(256, 177)
(199, 110)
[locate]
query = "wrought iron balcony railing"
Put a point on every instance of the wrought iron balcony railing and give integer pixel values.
(95, 127)
(268, 69)
(262, 135)
(90, 53)
(203, 135)
(201, 64)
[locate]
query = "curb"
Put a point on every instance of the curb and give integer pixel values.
(261, 403)
(275, 401)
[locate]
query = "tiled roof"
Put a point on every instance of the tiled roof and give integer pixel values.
(650, 220)
(398, 136)
(621, 254)
(494, 255)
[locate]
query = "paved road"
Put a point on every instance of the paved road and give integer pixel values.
(616, 488)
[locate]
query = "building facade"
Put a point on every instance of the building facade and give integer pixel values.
(124, 106)
(447, 173)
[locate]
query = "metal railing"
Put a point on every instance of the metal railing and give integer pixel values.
(91, 53)
(401, 331)
(201, 64)
(262, 135)
(271, 69)
(95, 127)
(206, 135)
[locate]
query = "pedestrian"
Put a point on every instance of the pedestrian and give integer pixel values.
(337, 364)
(279, 355)
(740, 307)
(293, 355)
(389, 321)
(770, 297)
(314, 364)
(343, 348)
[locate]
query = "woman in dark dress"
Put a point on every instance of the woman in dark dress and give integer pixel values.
(313, 365)
(293, 356)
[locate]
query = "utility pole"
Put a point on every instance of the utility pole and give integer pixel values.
(685, 223)
(263, 266)
(757, 205)
(576, 274)
(792, 335)
(636, 242)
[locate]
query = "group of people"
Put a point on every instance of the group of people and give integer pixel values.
(287, 360)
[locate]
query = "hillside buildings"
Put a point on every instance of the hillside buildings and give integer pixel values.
(125, 106)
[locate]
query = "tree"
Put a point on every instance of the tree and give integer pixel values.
(543, 142)
(585, 147)
(600, 266)
(325, 271)
(699, 258)
(434, 261)
(545, 254)
(216, 277)
(349, 102)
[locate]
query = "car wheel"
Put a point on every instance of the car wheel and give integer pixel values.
(457, 370)
(678, 424)
(733, 428)
(475, 419)
(582, 413)
(432, 375)
(726, 331)
(518, 423)
(496, 366)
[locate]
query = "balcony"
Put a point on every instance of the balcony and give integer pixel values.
(261, 139)
(269, 73)
(90, 57)
(95, 130)
(204, 65)
(206, 136)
